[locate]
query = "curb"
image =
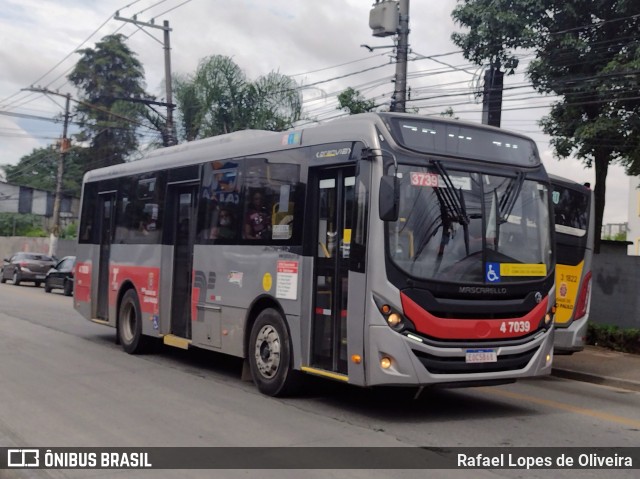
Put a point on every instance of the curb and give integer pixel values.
(593, 378)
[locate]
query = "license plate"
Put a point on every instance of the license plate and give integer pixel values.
(481, 356)
(40, 276)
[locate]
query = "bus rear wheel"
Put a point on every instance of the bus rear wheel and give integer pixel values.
(270, 355)
(130, 324)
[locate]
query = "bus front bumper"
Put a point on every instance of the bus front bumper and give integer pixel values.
(415, 363)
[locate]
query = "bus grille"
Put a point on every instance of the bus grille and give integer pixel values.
(457, 365)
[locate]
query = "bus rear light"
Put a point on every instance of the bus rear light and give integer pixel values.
(583, 299)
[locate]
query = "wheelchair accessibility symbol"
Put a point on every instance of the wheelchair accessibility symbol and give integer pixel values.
(492, 272)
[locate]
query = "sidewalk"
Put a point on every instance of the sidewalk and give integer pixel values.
(600, 366)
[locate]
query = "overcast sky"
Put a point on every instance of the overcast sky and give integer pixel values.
(317, 41)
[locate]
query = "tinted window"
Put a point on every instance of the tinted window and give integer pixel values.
(571, 208)
(88, 215)
(269, 199)
(139, 215)
(219, 208)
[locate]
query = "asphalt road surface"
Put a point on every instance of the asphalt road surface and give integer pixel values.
(65, 383)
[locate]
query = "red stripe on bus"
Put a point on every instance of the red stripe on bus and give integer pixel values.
(82, 285)
(144, 278)
(453, 328)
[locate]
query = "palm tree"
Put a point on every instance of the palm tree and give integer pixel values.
(218, 98)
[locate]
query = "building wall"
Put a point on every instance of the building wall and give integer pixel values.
(614, 295)
(15, 244)
(37, 202)
(633, 233)
(9, 195)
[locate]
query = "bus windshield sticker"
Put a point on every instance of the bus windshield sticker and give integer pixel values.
(492, 271)
(435, 181)
(281, 232)
(424, 179)
(523, 269)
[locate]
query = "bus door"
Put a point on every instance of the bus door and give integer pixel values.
(183, 214)
(105, 223)
(334, 205)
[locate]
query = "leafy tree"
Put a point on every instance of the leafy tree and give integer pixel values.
(18, 224)
(352, 101)
(107, 76)
(587, 53)
(39, 169)
(218, 98)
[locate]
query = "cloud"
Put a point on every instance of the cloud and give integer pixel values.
(289, 36)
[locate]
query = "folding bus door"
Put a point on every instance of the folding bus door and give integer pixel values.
(335, 202)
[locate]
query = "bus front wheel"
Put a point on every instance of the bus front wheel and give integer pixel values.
(130, 324)
(270, 355)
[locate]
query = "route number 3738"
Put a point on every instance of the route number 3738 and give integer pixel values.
(515, 327)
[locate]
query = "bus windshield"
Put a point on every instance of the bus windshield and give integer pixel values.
(468, 227)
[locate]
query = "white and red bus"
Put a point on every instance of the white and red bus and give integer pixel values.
(379, 249)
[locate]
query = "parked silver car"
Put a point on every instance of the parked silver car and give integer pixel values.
(26, 267)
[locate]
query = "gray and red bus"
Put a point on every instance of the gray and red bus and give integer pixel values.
(378, 249)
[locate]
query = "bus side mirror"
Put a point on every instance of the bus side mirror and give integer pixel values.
(389, 198)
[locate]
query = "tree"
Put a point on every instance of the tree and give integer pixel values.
(352, 101)
(218, 98)
(39, 168)
(20, 224)
(587, 53)
(107, 76)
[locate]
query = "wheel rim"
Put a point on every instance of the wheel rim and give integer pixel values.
(267, 351)
(128, 323)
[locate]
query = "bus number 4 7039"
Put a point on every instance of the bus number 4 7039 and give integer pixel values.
(515, 327)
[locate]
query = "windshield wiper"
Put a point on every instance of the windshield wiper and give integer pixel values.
(454, 201)
(510, 197)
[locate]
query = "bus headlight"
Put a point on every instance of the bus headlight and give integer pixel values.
(394, 320)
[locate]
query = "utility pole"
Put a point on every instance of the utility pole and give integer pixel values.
(169, 134)
(492, 95)
(391, 17)
(64, 148)
(400, 92)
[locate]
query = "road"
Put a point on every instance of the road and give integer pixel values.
(65, 383)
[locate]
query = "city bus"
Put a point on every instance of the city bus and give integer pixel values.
(378, 249)
(574, 227)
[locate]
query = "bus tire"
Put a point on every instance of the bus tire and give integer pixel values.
(130, 324)
(270, 355)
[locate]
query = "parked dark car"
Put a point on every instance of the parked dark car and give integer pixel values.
(26, 267)
(61, 276)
